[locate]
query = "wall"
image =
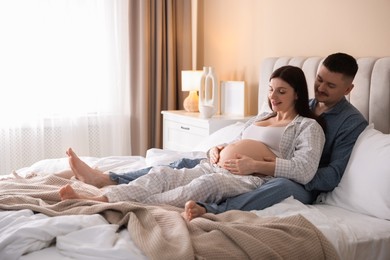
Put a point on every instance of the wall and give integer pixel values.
(236, 35)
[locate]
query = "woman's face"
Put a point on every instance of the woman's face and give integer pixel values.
(281, 95)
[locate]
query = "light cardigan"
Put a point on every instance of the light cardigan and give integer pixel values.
(300, 147)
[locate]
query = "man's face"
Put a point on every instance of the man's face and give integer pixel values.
(331, 87)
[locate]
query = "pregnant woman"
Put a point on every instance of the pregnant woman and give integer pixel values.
(286, 142)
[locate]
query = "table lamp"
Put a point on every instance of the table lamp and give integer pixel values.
(190, 81)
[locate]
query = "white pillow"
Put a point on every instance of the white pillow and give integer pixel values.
(223, 135)
(365, 185)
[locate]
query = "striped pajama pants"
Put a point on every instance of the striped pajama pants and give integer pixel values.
(164, 185)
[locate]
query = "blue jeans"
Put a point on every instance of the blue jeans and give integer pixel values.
(268, 194)
(125, 178)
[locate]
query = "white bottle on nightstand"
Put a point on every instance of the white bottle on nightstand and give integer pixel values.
(208, 93)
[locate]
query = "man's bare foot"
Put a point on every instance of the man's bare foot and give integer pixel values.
(85, 173)
(67, 192)
(192, 210)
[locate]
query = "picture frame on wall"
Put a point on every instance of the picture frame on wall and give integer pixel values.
(233, 98)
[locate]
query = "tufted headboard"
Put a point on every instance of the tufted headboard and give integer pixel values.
(371, 94)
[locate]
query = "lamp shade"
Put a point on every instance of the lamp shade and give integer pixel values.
(190, 80)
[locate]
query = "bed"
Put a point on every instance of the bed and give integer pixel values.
(351, 222)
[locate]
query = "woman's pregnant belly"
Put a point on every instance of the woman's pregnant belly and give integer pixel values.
(251, 148)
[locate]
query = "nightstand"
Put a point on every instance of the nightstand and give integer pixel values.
(183, 130)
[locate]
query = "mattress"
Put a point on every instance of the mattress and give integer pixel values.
(354, 235)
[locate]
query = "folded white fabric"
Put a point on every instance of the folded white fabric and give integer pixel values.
(99, 242)
(22, 231)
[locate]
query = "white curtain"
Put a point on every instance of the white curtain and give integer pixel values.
(64, 67)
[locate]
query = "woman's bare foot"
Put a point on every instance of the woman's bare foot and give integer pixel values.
(67, 192)
(66, 174)
(85, 173)
(192, 210)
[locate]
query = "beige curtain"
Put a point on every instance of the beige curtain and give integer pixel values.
(160, 47)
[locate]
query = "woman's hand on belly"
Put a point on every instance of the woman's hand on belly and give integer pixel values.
(214, 153)
(239, 166)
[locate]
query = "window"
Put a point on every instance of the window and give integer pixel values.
(64, 64)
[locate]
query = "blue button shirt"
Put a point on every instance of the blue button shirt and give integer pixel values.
(343, 123)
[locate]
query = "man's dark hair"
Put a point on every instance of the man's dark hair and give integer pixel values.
(341, 63)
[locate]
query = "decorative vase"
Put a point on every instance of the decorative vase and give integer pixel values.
(208, 93)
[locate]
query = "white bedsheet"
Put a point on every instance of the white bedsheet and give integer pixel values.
(355, 236)
(76, 236)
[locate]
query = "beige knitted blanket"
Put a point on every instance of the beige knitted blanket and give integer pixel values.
(161, 233)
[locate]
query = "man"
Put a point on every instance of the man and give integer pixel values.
(343, 125)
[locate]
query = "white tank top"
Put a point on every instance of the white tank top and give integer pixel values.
(269, 135)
